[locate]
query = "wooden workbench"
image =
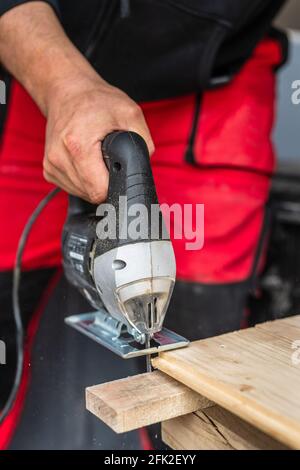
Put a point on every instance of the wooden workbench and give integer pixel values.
(240, 390)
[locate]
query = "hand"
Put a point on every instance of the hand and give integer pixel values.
(78, 118)
(80, 107)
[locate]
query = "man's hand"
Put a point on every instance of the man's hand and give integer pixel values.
(80, 107)
(78, 119)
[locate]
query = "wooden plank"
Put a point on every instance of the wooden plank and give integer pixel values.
(141, 400)
(291, 330)
(215, 429)
(248, 372)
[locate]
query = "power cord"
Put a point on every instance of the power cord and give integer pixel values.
(16, 302)
(91, 44)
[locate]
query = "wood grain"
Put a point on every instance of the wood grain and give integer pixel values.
(141, 400)
(215, 429)
(248, 372)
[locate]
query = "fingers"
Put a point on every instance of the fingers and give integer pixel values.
(77, 166)
(73, 158)
(89, 166)
(59, 179)
(143, 132)
(59, 170)
(139, 125)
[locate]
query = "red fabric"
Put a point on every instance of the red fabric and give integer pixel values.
(236, 121)
(22, 186)
(145, 440)
(232, 144)
(7, 428)
(235, 157)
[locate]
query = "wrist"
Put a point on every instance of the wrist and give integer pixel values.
(74, 82)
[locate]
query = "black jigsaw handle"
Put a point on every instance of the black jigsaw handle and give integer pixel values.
(131, 183)
(127, 158)
(130, 177)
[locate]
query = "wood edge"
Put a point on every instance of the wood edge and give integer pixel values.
(241, 439)
(253, 413)
(115, 424)
(119, 420)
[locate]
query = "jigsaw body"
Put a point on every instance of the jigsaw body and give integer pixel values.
(127, 277)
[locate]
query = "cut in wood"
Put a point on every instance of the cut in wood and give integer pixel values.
(141, 400)
(250, 372)
(215, 429)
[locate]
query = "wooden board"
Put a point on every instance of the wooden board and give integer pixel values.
(248, 372)
(141, 400)
(215, 429)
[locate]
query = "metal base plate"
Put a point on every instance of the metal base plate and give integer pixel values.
(125, 345)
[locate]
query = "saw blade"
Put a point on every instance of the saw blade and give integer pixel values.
(148, 357)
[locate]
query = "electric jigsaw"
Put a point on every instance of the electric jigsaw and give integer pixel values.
(126, 275)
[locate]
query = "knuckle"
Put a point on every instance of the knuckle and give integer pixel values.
(151, 148)
(133, 111)
(53, 158)
(73, 145)
(47, 176)
(96, 197)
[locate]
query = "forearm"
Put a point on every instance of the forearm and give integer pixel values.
(35, 49)
(80, 107)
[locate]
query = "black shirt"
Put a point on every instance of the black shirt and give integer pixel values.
(155, 49)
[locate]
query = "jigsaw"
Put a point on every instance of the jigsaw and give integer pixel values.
(126, 275)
